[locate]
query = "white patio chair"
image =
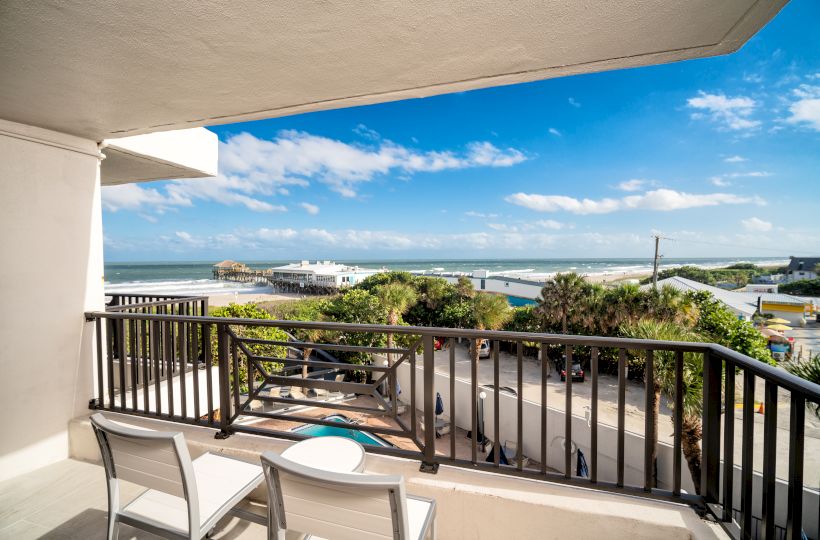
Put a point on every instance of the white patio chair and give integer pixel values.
(185, 498)
(342, 506)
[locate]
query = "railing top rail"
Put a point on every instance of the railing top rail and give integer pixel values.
(784, 379)
(167, 301)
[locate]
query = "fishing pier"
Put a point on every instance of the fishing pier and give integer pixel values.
(304, 277)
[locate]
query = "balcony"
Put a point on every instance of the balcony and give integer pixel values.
(161, 361)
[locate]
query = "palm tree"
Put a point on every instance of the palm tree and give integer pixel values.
(490, 312)
(464, 287)
(396, 298)
(670, 304)
(561, 298)
(808, 369)
(624, 305)
(664, 383)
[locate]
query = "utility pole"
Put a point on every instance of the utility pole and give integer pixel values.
(657, 238)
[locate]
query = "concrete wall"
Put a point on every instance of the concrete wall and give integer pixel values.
(508, 413)
(51, 272)
(500, 285)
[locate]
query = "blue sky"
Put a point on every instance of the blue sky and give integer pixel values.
(721, 154)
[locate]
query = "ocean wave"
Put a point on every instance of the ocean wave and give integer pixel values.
(193, 287)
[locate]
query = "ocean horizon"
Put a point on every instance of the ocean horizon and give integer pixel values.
(194, 277)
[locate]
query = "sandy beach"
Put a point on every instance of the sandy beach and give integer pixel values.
(616, 276)
(219, 300)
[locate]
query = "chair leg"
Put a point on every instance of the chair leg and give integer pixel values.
(113, 526)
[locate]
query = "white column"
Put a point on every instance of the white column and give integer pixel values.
(51, 272)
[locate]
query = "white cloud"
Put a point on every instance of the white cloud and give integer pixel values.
(531, 226)
(135, 197)
(806, 109)
(364, 131)
(311, 209)
(473, 213)
(635, 184)
(551, 224)
(251, 169)
(734, 159)
(730, 112)
(511, 238)
(555, 132)
(722, 180)
(185, 236)
(574, 103)
(756, 225)
(659, 200)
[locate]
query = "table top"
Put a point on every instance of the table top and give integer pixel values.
(335, 454)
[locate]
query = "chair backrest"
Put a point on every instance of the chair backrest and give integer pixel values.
(341, 506)
(154, 459)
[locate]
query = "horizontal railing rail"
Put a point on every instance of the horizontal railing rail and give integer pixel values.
(193, 368)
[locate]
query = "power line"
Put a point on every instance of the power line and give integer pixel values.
(782, 252)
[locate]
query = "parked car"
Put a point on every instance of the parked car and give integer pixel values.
(484, 348)
(577, 372)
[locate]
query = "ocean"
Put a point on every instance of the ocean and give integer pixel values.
(194, 278)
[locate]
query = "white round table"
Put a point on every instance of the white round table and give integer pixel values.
(334, 454)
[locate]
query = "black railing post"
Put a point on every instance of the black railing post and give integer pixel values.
(710, 466)
(429, 463)
(223, 362)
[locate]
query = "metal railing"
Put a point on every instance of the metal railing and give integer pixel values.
(157, 303)
(215, 372)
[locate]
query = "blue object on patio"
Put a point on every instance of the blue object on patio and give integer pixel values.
(581, 468)
(363, 437)
(439, 404)
(502, 457)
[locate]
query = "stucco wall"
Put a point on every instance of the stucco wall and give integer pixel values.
(51, 272)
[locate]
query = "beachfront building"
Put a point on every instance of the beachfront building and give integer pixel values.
(801, 268)
(321, 277)
(795, 309)
(746, 303)
(101, 93)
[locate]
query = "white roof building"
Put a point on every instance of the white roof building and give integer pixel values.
(743, 303)
(322, 273)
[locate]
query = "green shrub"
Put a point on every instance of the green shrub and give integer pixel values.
(725, 328)
(807, 287)
(267, 333)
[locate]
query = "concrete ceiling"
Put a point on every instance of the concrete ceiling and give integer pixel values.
(109, 68)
